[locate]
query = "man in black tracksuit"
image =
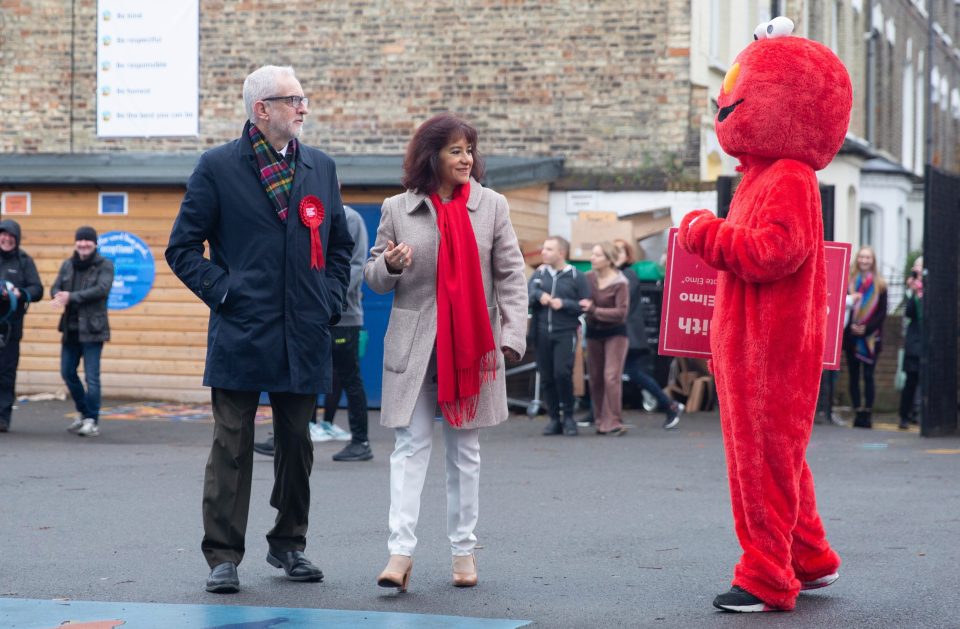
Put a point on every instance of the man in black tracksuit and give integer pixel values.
(20, 280)
(555, 290)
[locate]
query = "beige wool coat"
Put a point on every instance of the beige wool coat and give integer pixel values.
(411, 218)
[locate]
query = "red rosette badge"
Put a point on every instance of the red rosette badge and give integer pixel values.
(311, 215)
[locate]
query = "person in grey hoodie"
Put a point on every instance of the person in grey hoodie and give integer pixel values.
(346, 351)
(19, 286)
(345, 357)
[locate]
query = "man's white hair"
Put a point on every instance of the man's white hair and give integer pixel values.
(260, 84)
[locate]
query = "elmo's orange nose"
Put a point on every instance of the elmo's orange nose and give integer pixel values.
(730, 80)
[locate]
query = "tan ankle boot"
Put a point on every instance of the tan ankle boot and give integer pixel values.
(397, 573)
(464, 571)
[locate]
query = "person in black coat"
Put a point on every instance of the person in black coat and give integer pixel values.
(19, 286)
(912, 343)
(270, 209)
(81, 289)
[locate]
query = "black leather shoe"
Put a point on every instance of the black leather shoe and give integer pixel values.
(295, 565)
(570, 427)
(223, 579)
(553, 428)
(264, 447)
(863, 420)
(354, 452)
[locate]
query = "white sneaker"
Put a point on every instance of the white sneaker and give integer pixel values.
(650, 402)
(75, 426)
(89, 428)
(337, 433)
(822, 582)
(318, 434)
(673, 417)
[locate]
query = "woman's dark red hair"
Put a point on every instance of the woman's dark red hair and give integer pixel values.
(423, 152)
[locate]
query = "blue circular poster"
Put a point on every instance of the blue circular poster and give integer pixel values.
(133, 266)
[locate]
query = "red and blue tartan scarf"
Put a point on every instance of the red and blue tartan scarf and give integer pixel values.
(866, 346)
(276, 173)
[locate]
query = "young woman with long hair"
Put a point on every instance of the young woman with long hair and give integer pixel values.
(863, 337)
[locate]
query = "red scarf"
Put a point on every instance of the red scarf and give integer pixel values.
(466, 353)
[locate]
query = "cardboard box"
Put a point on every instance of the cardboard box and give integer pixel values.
(603, 217)
(649, 223)
(591, 228)
(585, 234)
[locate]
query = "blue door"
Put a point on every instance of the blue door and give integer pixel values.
(376, 315)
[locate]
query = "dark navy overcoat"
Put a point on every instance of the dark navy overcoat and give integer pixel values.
(269, 310)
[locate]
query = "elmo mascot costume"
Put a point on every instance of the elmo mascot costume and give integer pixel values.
(784, 108)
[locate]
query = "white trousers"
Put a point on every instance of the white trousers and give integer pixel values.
(408, 472)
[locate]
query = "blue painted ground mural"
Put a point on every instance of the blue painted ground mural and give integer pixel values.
(53, 614)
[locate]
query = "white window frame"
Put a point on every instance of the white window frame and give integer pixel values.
(126, 203)
(14, 193)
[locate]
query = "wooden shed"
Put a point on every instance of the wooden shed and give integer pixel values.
(158, 345)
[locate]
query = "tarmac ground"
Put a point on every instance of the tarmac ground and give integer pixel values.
(586, 531)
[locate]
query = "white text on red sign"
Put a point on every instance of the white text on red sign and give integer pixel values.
(698, 298)
(690, 325)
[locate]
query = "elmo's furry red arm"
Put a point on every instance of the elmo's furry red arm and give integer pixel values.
(766, 238)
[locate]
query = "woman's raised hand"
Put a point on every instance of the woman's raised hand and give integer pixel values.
(398, 257)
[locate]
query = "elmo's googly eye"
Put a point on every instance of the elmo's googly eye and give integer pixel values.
(779, 27)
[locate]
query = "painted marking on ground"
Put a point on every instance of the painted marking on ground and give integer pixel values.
(52, 614)
(164, 411)
(943, 451)
(888, 427)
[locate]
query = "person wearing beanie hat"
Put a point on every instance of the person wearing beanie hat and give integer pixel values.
(81, 290)
(19, 286)
(86, 233)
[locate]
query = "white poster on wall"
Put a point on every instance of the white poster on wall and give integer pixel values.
(148, 68)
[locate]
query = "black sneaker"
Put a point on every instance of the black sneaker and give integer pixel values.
(570, 427)
(739, 600)
(354, 452)
(264, 447)
(553, 428)
(673, 416)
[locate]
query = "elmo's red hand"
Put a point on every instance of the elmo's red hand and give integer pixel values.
(686, 239)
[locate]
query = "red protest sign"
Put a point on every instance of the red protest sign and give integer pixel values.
(689, 290)
(688, 293)
(838, 262)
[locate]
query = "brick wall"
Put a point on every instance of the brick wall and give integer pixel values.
(605, 84)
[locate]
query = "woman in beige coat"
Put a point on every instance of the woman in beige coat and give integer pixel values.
(459, 308)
